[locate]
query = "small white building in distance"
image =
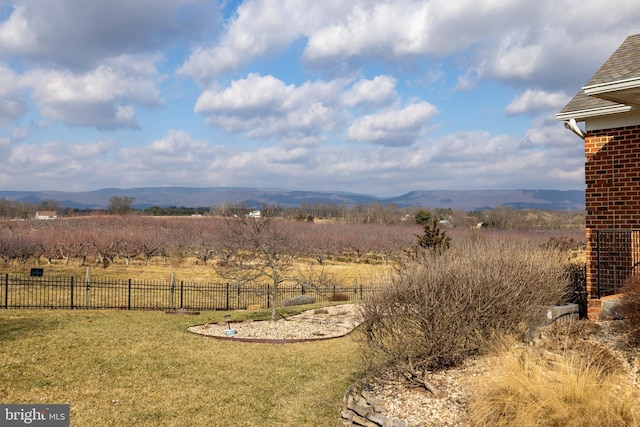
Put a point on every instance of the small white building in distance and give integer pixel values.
(46, 215)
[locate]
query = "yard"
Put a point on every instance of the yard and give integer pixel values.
(125, 368)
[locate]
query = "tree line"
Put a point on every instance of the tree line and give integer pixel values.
(373, 213)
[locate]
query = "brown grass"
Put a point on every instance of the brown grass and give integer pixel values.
(142, 368)
(189, 269)
(536, 387)
(628, 308)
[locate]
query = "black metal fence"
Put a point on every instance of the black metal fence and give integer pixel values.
(577, 291)
(21, 291)
(617, 257)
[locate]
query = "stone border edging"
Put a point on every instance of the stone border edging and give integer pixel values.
(362, 409)
(265, 340)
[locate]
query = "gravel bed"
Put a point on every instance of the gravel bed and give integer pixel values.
(320, 323)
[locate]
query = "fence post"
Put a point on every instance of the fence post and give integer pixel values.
(268, 296)
(129, 294)
(72, 291)
(172, 303)
(88, 286)
(6, 290)
(355, 290)
(227, 296)
(181, 293)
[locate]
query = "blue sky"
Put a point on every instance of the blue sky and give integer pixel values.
(366, 96)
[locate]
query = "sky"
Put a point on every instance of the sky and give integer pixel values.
(365, 96)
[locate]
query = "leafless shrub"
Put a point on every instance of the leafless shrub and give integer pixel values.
(338, 297)
(563, 243)
(298, 300)
(436, 312)
(627, 308)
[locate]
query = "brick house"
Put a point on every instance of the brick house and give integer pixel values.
(609, 107)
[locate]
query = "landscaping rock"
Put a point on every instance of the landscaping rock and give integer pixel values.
(298, 300)
(361, 408)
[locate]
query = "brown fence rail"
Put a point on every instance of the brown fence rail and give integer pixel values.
(21, 291)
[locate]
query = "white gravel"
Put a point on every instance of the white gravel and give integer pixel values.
(320, 323)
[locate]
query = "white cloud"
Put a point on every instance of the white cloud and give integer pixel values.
(379, 91)
(557, 47)
(547, 133)
(57, 165)
(264, 107)
(55, 154)
(478, 159)
(515, 40)
(13, 103)
(258, 28)
(19, 134)
(465, 160)
(167, 158)
(534, 101)
(103, 98)
(336, 31)
(409, 29)
(393, 127)
(80, 34)
(254, 94)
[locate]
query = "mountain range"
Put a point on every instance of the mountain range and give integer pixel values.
(466, 200)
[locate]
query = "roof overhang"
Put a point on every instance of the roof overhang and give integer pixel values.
(620, 91)
(582, 115)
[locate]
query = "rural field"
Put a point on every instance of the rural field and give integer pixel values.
(127, 367)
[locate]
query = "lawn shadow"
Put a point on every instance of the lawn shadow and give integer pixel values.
(14, 326)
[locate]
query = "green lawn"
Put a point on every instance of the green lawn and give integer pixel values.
(126, 368)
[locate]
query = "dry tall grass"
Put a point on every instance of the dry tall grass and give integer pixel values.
(189, 269)
(628, 309)
(536, 387)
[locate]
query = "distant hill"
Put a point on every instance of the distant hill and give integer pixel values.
(467, 200)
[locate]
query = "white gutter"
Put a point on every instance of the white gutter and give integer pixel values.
(594, 112)
(615, 86)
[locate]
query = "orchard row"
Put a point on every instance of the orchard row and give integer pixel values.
(104, 238)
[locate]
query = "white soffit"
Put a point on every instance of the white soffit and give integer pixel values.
(631, 118)
(620, 91)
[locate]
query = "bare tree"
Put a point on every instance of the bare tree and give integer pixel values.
(121, 204)
(254, 249)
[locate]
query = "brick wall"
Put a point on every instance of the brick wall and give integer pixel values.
(612, 174)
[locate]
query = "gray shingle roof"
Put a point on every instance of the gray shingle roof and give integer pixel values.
(623, 64)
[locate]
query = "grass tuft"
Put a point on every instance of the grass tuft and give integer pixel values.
(535, 387)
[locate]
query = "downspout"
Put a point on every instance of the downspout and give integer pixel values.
(572, 125)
